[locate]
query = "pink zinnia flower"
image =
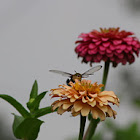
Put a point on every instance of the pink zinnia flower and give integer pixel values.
(108, 45)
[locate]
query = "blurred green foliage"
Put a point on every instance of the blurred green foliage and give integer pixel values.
(129, 133)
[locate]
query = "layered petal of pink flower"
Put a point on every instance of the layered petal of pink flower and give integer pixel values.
(108, 45)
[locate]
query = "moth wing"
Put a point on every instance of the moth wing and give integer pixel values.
(61, 72)
(91, 71)
(85, 76)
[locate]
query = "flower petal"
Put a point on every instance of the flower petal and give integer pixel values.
(92, 46)
(66, 106)
(75, 113)
(72, 99)
(114, 114)
(85, 110)
(103, 108)
(92, 103)
(94, 113)
(109, 111)
(117, 42)
(106, 44)
(60, 110)
(100, 114)
(110, 93)
(84, 100)
(55, 106)
(78, 105)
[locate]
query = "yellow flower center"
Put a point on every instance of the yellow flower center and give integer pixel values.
(105, 30)
(87, 86)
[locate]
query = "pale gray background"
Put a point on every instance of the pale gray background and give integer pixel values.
(38, 35)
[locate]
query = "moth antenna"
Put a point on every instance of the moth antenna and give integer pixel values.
(75, 71)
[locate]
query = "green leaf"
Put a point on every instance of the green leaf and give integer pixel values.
(26, 128)
(16, 105)
(34, 91)
(34, 105)
(43, 111)
(17, 121)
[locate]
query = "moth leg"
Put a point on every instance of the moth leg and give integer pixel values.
(68, 80)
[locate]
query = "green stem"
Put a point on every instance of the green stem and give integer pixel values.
(92, 126)
(105, 74)
(82, 127)
(42, 112)
(94, 122)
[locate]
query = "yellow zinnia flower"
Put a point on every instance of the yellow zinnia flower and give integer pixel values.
(83, 97)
